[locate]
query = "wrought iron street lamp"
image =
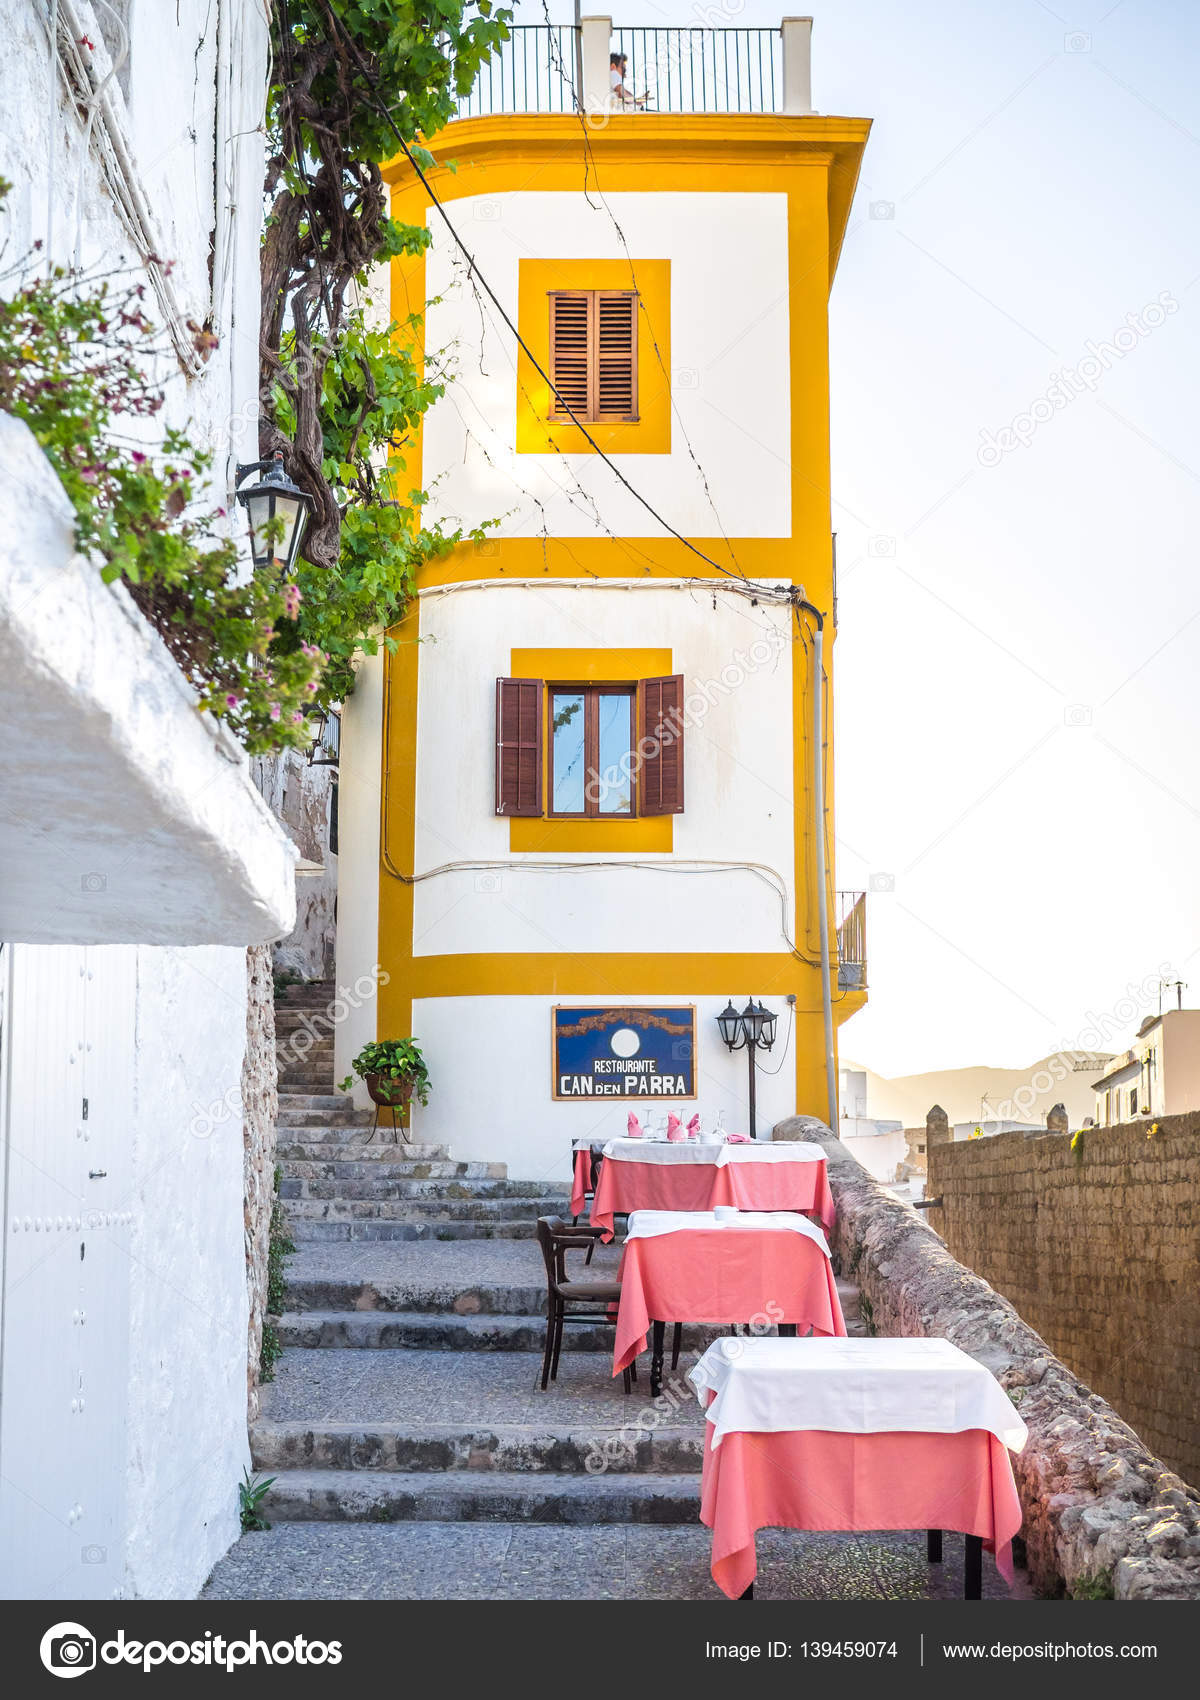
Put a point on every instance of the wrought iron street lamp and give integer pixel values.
(752, 1030)
(277, 511)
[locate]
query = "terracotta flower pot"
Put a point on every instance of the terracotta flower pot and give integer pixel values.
(385, 1089)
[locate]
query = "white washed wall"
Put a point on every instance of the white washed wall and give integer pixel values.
(738, 788)
(729, 358)
(500, 1106)
(167, 1397)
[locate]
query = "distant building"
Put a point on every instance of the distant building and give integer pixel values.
(1159, 1075)
(878, 1145)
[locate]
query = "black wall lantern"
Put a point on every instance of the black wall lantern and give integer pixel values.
(752, 1030)
(277, 511)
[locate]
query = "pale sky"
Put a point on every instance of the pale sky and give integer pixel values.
(1018, 641)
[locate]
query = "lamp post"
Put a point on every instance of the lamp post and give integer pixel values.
(753, 1029)
(277, 511)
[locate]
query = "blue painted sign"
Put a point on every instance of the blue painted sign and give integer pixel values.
(624, 1052)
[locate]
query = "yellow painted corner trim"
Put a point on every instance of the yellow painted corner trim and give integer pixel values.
(650, 833)
(608, 974)
(650, 434)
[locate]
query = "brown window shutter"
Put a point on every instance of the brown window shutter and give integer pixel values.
(593, 354)
(571, 352)
(616, 355)
(660, 774)
(518, 746)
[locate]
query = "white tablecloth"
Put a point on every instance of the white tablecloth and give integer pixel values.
(876, 1386)
(706, 1151)
(648, 1224)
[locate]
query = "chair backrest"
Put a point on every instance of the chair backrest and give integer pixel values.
(553, 1254)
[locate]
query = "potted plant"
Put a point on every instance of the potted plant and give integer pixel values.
(394, 1072)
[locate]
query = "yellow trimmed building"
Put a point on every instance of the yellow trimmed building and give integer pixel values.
(577, 808)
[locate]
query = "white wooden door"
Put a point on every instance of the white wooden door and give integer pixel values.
(65, 1295)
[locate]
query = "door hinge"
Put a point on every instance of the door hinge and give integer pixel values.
(85, 1109)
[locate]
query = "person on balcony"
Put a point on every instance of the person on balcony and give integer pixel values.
(622, 96)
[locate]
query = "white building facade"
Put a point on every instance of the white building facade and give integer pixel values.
(137, 862)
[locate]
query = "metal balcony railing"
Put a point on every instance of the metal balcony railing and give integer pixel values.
(533, 71)
(851, 913)
(540, 67)
(701, 70)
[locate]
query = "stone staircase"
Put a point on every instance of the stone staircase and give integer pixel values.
(409, 1392)
(409, 1386)
(340, 1184)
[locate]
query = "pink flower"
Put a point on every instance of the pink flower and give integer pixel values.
(291, 600)
(274, 711)
(297, 717)
(139, 459)
(231, 701)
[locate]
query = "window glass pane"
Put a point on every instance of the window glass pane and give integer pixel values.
(567, 731)
(613, 786)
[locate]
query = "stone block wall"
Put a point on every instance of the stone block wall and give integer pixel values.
(1103, 1515)
(1097, 1244)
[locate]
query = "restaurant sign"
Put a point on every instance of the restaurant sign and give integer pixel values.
(625, 1053)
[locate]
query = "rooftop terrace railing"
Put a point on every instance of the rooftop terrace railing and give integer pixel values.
(558, 68)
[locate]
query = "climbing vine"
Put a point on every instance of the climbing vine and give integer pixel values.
(77, 351)
(341, 398)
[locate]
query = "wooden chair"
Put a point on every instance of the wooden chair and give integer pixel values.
(564, 1296)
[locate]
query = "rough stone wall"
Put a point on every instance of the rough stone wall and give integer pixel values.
(300, 796)
(260, 1104)
(1101, 1511)
(1098, 1247)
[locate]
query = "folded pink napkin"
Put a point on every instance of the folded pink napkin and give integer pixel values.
(737, 1139)
(693, 1128)
(633, 1126)
(675, 1128)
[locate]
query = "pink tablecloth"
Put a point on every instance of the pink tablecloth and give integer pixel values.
(817, 1479)
(581, 1181)
(727, 1275)
(625, 1186)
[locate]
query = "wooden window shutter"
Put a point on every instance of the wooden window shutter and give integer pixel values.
(571, 352)
(593, 354)
(518, 746)
(660, 720)
(616, 355)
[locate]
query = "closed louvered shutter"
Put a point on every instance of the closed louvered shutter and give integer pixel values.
(660, 775)
(571, 353)
(616, 355)
(593, 354)
(518, 746)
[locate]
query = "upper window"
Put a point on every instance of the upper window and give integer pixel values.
(593, 354)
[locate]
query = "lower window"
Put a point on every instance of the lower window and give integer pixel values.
(592, 737)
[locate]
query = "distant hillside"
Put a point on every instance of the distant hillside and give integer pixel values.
(1019, 1094)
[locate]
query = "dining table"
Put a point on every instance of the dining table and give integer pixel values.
(854, 1434)
(757, 1175)
(762, 1270)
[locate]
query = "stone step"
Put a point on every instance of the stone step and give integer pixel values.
(387, 1168)
(301, 1110)
(518, 1209)
(379, 1187)
(325, 1292)
(326, 1232)
(470, 1496)
(440, 1331)
(511, 1449)
(320, 1144)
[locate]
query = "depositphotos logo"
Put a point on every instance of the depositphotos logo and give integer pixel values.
(68, 1649)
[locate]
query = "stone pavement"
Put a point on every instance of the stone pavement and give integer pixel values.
(416, 1456)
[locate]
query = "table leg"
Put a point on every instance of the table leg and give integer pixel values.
(659, 1331)
(973, 1568)
(787, 1330)
(749, 1594)
(933, 1545)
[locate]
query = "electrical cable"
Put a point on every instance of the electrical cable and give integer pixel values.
(521, 343)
